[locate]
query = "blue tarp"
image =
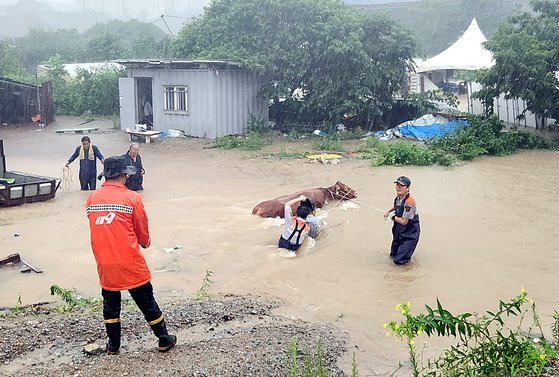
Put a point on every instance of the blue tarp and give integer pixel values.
(427, 127)
(430, 131)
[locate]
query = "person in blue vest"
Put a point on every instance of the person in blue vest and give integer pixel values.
(405, 230)
(87, 154)
(296, 229)
(315, 223)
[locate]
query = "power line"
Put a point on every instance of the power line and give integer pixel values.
(168, 28)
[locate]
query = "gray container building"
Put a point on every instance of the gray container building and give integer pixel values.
(203, 98)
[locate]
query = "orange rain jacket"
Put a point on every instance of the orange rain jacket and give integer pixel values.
(118, 225)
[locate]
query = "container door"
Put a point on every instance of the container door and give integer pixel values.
(127, 98)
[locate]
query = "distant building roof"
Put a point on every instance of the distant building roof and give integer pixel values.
(177, 64)
(72, 69)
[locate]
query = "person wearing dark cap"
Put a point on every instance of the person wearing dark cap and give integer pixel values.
(315, 223)
(405, 230)
(119, 226)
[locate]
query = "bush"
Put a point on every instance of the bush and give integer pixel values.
(483, 136)
(404, 153)
(91, 92)
(252, 141)
(486, 136)
(328, 144)
(485, 345)
(258, 125)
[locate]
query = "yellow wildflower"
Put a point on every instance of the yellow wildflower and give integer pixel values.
(523, 291)
(411, 342)
(385, 325)
(388, 334)
(418, 332)
(398, 308)
(542, 357)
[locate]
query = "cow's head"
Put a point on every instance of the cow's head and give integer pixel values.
(342, 191)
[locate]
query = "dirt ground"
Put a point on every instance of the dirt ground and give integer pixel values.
(222, 336)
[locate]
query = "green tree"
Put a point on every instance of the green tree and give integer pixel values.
(320, 59)
(526, 53)
(135, 40)
(10, 66)
(104, 47)
(93, 92)
(38, 45)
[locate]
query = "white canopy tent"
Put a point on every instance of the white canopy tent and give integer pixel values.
(467, 53)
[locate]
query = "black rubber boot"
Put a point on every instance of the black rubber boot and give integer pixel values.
(113, 332)
(166, 341)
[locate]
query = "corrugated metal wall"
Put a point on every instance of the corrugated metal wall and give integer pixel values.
(219, 101)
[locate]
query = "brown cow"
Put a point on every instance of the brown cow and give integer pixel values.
(320, 196)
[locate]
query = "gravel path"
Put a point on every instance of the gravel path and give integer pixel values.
(225, 336)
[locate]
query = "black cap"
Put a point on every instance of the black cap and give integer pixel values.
(308, 203)
(404, 181)
(115, 166)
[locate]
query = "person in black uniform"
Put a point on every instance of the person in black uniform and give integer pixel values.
(135, 181)
(87, 154)
(405, 230)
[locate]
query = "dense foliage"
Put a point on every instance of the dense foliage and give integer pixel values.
(320, 60)
(91, 92)
(483, 136)
(10, 66)
(526, 52)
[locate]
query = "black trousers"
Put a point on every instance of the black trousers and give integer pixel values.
(142, 296)
(285, 244)
(88, 182)
(402, 250)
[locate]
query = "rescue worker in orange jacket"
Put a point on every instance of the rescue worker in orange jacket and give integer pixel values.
(406, 230)
(296, 229)
(119, 226)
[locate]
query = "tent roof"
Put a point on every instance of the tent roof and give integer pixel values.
(466, 53)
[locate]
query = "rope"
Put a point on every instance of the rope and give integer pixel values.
(339, 201)
(356, 201)
(366, 205)
(66, 178)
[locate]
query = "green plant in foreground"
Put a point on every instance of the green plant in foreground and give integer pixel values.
(354, 372)
(19, 306)
(71, 299)
(555, 326)
(206, 282)
(313, 364)
(486, 346)
(293, 353)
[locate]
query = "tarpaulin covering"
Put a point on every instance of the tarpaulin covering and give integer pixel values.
(427, 127)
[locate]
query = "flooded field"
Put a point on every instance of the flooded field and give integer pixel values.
(488, 228)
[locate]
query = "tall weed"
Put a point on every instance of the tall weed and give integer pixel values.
(486, 346)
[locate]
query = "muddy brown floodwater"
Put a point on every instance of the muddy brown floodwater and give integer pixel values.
(489, 227)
